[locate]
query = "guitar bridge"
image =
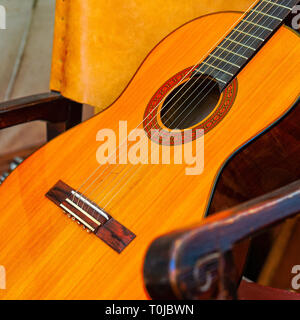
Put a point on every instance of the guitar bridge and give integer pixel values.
(91, 216)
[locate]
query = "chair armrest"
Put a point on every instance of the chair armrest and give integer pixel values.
(197, 263)
(51, 107)
(254, 291)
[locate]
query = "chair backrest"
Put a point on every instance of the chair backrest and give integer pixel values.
(99, 44)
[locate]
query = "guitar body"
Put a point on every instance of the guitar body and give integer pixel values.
(47, 256)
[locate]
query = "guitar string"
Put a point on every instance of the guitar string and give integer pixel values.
(208, 91)
(236, 22)
(148, 124)
(103, 198)
(235, 38)
(140, 166)
(250, 16)
(126, 174)
(212, 81)
(195, 89)
(276, 8)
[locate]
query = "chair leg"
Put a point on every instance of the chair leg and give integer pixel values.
(74, 118)
(55, 129)
(75, 114)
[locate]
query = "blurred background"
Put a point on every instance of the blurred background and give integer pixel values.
(26, 52)
(26, 49)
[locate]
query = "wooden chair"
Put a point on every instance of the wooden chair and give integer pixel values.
(60, 113)
(199, 263)
(92, 86)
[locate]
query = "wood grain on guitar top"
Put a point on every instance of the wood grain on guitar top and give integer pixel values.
(48, 257)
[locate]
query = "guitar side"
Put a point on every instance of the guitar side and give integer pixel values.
(46, 256)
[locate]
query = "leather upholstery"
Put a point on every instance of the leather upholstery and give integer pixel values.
(99, 44)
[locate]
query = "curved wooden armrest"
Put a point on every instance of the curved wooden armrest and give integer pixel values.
(51, 107)
(197, 263)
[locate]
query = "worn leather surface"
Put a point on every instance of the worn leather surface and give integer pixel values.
(99, 44)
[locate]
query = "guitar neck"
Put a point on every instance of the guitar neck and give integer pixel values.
(245, 40)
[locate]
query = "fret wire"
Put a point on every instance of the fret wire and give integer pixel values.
(97, 169)
(268, 15)
(224, 60)
(251, 22)
(277, 4)
(258, 25)
(240, 55)
(220, 80)
(259, 45)
(254, 12)
(212, 66)
(241, 44)
(253, 42)
(242, 32)
(248, 34)
(93, 173)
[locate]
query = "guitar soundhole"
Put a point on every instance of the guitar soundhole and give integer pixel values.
(190, 102)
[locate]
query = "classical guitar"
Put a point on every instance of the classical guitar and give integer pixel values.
(226, 75)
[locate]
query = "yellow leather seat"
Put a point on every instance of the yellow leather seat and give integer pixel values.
(99, 44)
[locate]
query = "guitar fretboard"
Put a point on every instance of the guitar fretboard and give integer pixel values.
(245, 40)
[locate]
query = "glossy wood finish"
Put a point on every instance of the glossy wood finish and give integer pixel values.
(100, 223)
(46, 256)
(267, 163)
(250, 37)
(107, 54)
(7, 159)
